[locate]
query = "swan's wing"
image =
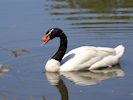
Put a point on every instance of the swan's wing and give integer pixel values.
(117, 51)
(74, 59)
(88, 56)
(109, 58)
(106, 50)
(80, 54)
(105, 62)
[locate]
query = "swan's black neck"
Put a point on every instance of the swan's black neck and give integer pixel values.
(62, 48)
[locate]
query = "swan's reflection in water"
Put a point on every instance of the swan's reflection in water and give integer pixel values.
(94, 76)
(82, 78)
(54, 79)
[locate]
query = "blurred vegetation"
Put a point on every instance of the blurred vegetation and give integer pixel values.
(89, 12)
(98, 5)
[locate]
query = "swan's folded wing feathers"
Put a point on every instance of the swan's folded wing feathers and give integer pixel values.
(106, 49)
(81, 56)
(105, 62)
(88, 63)
(89, 56)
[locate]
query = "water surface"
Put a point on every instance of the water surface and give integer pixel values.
(85, 22)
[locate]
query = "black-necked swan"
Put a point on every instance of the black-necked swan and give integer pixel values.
(81, 58)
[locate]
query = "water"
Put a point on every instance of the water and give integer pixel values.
(85, 22)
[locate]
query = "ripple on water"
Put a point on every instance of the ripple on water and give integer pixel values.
(95, 16)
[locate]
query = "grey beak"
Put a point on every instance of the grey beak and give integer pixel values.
(43, 44)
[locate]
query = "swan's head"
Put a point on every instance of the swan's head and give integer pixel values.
(51, 34)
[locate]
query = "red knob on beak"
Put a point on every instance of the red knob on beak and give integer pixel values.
(45, 39)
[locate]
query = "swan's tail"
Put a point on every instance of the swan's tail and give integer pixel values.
(119, 50)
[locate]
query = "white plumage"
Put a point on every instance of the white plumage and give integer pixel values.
(87, 58)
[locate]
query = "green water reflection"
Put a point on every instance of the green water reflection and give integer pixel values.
(94, 13)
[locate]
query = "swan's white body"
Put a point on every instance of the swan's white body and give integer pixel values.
(86, 58)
